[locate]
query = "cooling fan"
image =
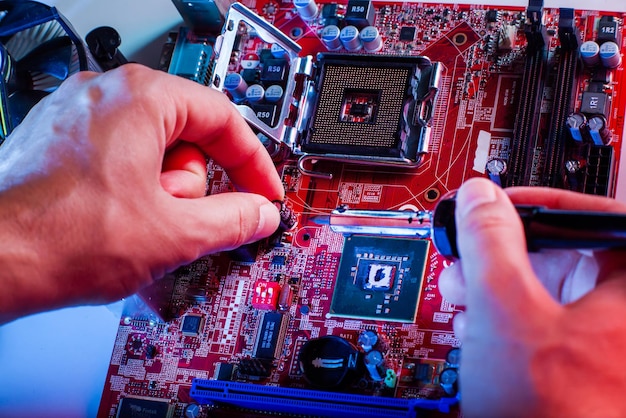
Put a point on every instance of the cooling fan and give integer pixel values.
(39, 49)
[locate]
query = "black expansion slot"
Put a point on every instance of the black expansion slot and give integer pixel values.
(554, 146)
(523, 147)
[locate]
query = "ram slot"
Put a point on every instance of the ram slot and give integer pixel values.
(562, 104)
(522, 159)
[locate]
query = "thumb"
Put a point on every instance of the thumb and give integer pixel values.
(494, 257)
(223, 222)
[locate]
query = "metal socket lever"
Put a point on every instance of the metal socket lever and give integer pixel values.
(544, 228)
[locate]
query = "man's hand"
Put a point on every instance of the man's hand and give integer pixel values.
(536, 340)
(102, 188)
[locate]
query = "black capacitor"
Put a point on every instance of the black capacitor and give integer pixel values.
(288, 218)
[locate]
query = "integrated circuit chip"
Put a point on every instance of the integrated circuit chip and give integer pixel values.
(144, 408)
(380, 278)
(267, 339)
(192, 324)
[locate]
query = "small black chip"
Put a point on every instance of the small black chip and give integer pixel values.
(267, 338)
(491, 16)
(143, 408)
(594, 103)
(191, 325)
(266, 113)
(274, 70)
(607, 30)
(360, 13)
(407, 33)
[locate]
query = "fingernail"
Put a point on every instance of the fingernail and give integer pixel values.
(474, 193)
(268, 221)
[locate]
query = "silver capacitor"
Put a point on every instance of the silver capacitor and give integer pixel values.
(255, 93)
(590, 53)
(375, 365)
(598, 130)
(371, 39)
(575, 123)
(610, 55)
(274, 93)
(236, 86)
(350, 39)
(307, 9)
(330, 37)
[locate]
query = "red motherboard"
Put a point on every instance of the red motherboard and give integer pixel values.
(521, 95)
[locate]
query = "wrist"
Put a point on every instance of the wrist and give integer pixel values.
(24, 290)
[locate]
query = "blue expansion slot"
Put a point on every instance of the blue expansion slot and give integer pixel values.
(310, 402)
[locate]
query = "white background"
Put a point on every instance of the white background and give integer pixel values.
(55, 364)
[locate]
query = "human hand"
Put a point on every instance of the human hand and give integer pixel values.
(90, 211)
(536, 340)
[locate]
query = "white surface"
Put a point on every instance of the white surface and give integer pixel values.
(55, 364)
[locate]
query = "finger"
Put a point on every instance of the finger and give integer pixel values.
(452, 284)
(494, 257)
(563, 199)
(217, 223)
(184, 171)
(207, 118)
(459, 325)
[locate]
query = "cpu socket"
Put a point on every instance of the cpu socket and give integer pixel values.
(370, 109)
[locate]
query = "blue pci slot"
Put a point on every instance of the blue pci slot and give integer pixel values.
(310, 402)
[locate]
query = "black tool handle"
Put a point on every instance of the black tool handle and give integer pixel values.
(544, 228)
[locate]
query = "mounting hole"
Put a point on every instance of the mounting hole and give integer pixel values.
(432, 195)
(306, 237)
(459, 39)
(296, 32)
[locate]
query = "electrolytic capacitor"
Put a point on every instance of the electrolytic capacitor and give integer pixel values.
(590, 53)
(598, 130)
(367, 340)
(349, 37)
(307, 9)
(236, 86)
(375, 365)
(255, 93)
(330, 37)
(372, 41)
(288, 218)
(278, 51)
(284, 299)
(273, 93)
(575, 122)
(610, 55)
(496, 168)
